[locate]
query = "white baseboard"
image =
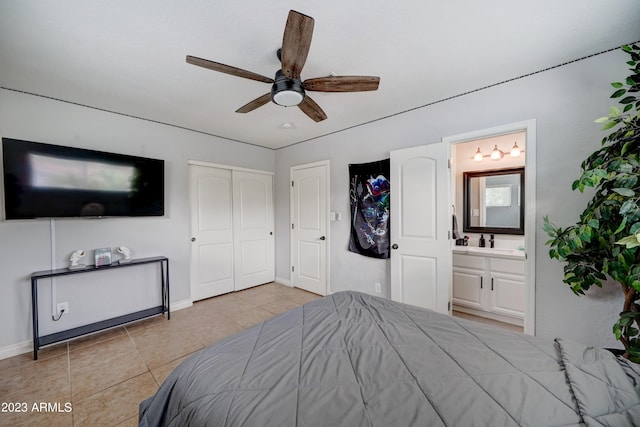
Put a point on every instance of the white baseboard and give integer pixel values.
(16, 349)
(27, 346)
(180, 305)
(284, 281)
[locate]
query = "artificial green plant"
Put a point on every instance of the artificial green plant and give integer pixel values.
(605, 243)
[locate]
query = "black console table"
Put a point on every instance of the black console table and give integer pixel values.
(39, 341)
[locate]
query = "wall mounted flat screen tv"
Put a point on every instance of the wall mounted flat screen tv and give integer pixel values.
(53, 181)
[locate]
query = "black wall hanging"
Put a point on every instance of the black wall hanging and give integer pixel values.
(369, 194)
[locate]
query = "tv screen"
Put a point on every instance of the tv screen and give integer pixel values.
(53, 181)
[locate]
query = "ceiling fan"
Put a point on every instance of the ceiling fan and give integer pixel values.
(287, 88)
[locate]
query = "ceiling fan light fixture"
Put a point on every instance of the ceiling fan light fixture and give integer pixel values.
(287, 92)
(288, 98)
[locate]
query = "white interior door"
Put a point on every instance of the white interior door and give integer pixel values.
(211, 198)
(309, 236)
(421, 249)
(253, 229)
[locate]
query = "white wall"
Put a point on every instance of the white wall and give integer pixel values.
(564, 101)
(25, 246)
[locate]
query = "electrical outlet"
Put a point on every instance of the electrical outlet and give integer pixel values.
(378, 288)
(63, 306)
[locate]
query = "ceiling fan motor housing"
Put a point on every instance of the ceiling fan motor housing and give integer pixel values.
(287, 92)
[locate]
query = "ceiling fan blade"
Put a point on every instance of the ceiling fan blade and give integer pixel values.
(296, 43)
(342, 84)
(311, 109)
(258, 102)
(227, 69)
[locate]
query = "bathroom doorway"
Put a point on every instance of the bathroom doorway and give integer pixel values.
(493, 277)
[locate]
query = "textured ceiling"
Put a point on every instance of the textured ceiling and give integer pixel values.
(129, 56)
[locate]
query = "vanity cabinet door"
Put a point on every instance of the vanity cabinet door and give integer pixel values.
(507, 287)
(468, 287)
(507, 296)
(468, 281)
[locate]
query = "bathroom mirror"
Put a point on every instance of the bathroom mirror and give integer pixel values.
(494, 201)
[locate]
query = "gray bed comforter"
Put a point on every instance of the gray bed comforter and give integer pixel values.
(351, 359)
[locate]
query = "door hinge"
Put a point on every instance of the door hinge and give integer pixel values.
(448, 234)
(293, 269)
(292, 183)
(292, 226)
(449, 163)
(449, 306)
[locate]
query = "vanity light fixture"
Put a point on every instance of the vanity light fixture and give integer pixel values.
(497, 154)
(478, 156)
(515, 150)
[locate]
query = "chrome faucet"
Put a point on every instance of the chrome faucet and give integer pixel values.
(491, 241)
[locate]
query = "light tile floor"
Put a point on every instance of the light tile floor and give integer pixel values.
(99, 380)
(103, 377)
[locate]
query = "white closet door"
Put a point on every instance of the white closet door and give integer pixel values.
(253, 229)
(212, 271)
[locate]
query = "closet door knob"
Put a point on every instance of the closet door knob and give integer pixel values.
(322, 238)
(193, 239)
(394, 246)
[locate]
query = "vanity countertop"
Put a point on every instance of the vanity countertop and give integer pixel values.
(493, 252)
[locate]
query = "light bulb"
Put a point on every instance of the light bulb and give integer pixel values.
(478, 156)
(515, 150)
(496, 154)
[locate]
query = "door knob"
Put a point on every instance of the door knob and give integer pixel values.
(193, 239)
(322, 238)
(394, 246)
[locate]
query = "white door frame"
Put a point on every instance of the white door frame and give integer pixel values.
(529, 127)
(327, 165)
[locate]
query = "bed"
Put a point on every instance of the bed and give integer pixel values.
(352, 359)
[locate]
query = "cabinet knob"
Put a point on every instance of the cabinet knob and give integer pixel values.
(193, 239)
(322, 238)
(394, 246)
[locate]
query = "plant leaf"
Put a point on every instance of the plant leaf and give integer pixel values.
(627, 192)
(630, 241)
(614, 111)
(622, 225)
(627, 207)
(627, 145)
(618, 93)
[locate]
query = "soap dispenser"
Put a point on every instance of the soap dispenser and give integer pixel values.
(481, 243)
